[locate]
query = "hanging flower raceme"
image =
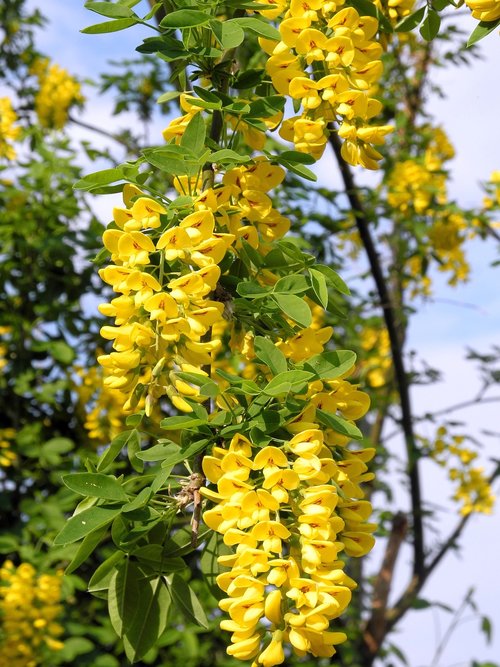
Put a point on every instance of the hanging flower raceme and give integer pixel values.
(9, 131)
(217, 314)
(165, 271)
(30, 606)
(328, 61)
(292, 511)
(473, 490)
(8, 456)
(58, 92)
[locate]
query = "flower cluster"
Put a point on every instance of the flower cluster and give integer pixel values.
(292, 508)
(9, 131)
(329, 62)
(417, 187)
(7, 456)
(492, 199)
(58, 92)
(30, 604)
(375, 342)
(396, 9)
(292, 511)
(473, 489)
(166, 267)
(4, 331)
(101, 407)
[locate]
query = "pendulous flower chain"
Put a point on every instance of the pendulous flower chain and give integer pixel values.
(292, 510)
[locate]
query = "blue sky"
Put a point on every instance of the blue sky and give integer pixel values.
(455, 318)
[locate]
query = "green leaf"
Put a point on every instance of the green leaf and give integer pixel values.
(109, 9)
(258, 27)
(102, 576)
(185, 453)
(298, 169)
(124, 590)
(430, 26)
(228, 156)
(210, 97)
(292, 284)
(150, 620)
(320, 289)
(420, 603)
(295, 308)
(186, 601)
(228, 34)
(207, 386)
(209, 565)
(486, 628)
(57, 446)
(99, 178)
(295, 381)
(331, 365)
(8, 544)
(185, 18)
(158, 452)
(61, 352)
(180, 422)
(195, 134)
(333, 278)
(339, 424)
(248, 79)
(265, 107)
(125, 439)
(133, 448)
(252, 290)
(95, 484)
(89, 544)
(296, 157)
(109, 26)
(73, 647)
(174, 160)
(141, 500)
(167, 97)
(269, 354)
(411, 21)
(157, 556)
(238, 386)
(86, 522)
(482, 29)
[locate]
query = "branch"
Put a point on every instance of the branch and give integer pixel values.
(396, 351)
(375, 630)
(464, 404)
(130, 146)
(416, 584)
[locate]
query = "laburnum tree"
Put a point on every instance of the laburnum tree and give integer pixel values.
(210, 456)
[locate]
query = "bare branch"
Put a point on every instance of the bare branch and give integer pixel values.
(416, 583)
(131, 146)
(396, 351)
(376, 627)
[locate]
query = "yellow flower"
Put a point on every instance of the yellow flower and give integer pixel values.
(8, 130)
(58, 92)
(484, 10)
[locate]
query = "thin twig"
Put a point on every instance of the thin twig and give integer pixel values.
(130, 146)
(416, 584)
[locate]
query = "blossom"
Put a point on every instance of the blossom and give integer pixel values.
(9, 131)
